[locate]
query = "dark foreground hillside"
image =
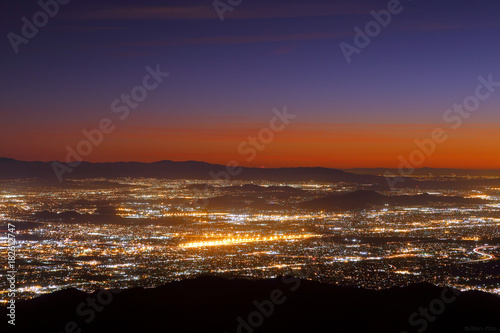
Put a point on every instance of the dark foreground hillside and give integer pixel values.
(212, 304)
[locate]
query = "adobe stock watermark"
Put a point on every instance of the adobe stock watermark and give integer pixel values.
(49, 9)
(122, 107)
(222, 6)
(89, 309)
(265, 308)
(11, 273)
(372, 29)
(425, 315)
(252, 146)
(455, 116)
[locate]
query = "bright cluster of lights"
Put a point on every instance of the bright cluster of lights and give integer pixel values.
(241, 240)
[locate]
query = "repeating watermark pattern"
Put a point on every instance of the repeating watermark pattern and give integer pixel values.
(454, 116)
(265, 308)
(30, 29)
(222, 7)
(425, 315)
(372, 29)
(252, 146)
(122, 107)
(11, 273)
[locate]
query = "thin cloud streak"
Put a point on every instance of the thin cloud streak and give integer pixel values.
(240, 39)
(201, 12)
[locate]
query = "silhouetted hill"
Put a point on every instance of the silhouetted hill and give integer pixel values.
(212, 304)
(251, 188)
(104, 215)
(367, 199)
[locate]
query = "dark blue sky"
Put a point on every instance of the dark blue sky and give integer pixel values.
(230, 74)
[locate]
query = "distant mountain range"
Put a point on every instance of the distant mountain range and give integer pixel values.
(215, 304)
(366, 199)
(14, 169)
(427, 172)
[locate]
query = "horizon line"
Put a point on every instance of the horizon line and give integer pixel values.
(257, 167)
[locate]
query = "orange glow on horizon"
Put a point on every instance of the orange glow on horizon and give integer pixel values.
(473, 146)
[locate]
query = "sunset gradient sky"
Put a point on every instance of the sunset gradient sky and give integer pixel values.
(227, 76)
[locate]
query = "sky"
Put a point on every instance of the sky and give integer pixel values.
(227, 76)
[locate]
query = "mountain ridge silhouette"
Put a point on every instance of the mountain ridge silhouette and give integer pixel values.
(215, 304)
